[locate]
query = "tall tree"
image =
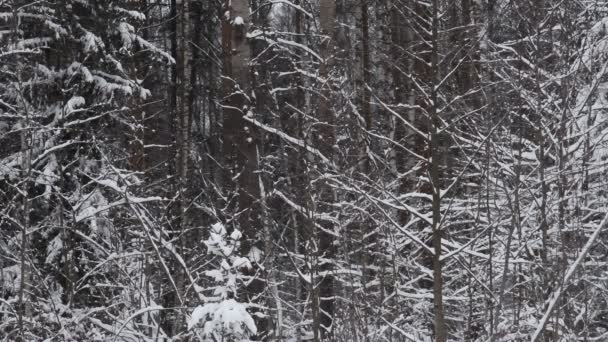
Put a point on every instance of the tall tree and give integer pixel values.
(325, 140)
(241, 138)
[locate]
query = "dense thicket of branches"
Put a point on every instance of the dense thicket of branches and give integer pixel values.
(293, 170)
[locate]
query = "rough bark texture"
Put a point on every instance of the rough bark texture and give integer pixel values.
(240, 138)
(326, 140)
(239, 135)
(441, 334)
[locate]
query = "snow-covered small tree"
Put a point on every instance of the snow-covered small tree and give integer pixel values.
(223, 317)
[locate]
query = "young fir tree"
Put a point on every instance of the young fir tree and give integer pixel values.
(222, 317)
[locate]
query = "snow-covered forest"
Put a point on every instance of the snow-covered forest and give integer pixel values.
(303, 170)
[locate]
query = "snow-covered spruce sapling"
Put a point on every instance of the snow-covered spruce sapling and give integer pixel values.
(223, 318)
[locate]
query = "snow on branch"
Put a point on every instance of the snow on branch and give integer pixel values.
(291, 139)
(558, 293)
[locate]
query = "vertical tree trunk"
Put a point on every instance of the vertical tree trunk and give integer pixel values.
(367, 227)
(548, 277)
(325, 141)
(440, 326)
(366, 98)
(403, 35)
(296, 168)
(184, 97)
(240, 136)
(137, 157)
(182, 100)
(240, 140)
(26, 169)
(24, 269)
(484, 16)
(468, 80)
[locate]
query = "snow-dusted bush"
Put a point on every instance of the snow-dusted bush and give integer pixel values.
(222, 317)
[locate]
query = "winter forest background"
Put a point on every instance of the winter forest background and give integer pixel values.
(295, 170)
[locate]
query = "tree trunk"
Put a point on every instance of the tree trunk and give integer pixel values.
(26, 164)
(440, 326)
(240, 136)
(325, 141)
(367, 227)
(366, 98)
(182, 100)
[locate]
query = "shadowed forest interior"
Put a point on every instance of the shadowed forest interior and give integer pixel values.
(303, 170)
